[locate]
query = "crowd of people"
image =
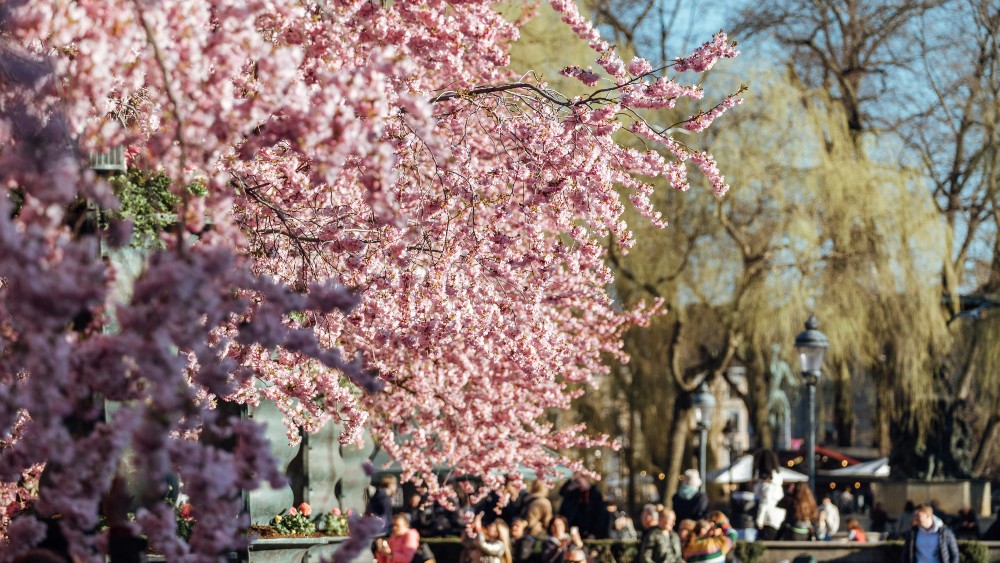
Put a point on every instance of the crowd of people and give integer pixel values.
(529, 528)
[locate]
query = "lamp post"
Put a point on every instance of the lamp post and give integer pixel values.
(811, 344)
(703, 403)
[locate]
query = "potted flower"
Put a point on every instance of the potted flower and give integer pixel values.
(295, 522)
(334, 523)
(185, 519)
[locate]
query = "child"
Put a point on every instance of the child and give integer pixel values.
(854, 531)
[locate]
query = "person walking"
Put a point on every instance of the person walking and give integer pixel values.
(929, 540)
(769, 492)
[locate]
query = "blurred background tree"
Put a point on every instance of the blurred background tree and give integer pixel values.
(865, 174)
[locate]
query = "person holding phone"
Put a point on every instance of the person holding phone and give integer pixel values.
(488, 543)
(559, 542)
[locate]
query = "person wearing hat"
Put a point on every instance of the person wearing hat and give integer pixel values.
(689, 503)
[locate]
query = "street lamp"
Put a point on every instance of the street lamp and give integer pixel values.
(703, 403)
(811, 344)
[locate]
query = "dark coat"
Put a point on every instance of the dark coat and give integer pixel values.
(743, 505)
(381, 505)
(947, 546)
(523, 550)
(693, 508)
(553, 550)
(585, 510)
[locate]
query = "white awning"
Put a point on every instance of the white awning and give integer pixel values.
(742, 471)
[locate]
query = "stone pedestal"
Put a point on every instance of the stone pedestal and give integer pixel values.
(952, 495)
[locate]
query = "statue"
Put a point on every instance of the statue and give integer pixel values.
(779, 410)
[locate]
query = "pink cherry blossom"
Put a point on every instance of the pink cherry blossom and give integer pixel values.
(586, 76)
(703, 120)
(397, 232)
(705, 57)
(639, 66)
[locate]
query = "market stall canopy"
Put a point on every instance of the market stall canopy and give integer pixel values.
(874, 468)
(742, 471)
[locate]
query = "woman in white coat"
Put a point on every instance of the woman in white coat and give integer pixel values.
(769, 490)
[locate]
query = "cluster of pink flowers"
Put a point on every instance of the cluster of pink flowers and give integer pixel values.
(639, 67)
(470, 236)
(583, 27)
(705, 57)
(587, 76)
(703, 120)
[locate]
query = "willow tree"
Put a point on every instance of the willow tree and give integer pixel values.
(742, 272)
(880, 63)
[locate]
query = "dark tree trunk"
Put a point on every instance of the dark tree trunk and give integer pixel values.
(843, 407)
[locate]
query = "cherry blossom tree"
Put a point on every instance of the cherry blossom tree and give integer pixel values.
(391, 229)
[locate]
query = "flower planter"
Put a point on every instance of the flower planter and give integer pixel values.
(294, 550)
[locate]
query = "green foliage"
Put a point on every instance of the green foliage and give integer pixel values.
(146, 201)
(149, 203)
(973, 552)
(185, 522)
(613, 551)
(293, 524)
(749, 552)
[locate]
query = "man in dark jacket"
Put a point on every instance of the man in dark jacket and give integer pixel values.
(583, 506)
(381, 502)
(930, 541)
